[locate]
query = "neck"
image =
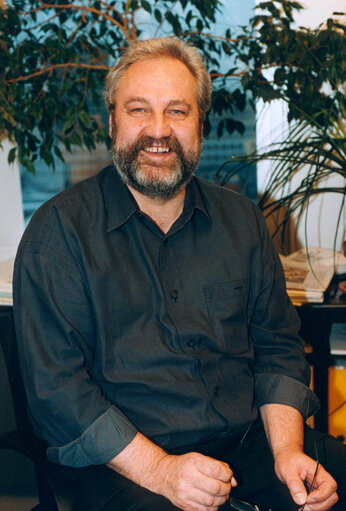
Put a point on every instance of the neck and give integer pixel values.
(163, 212)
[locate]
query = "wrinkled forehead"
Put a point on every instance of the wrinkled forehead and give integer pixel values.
(164, 76)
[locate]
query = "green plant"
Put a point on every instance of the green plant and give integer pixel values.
(308, 73)
(55, 55)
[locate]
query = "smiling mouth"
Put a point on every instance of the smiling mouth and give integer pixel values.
(157, 150)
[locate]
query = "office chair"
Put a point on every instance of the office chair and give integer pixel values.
(54, 490)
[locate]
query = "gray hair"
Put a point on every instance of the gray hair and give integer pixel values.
(170, 47)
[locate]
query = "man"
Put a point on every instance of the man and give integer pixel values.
(153, 322)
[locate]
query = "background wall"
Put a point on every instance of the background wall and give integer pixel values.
(11, 210)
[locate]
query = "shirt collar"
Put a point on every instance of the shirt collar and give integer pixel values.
(121, 205)
(194, 201)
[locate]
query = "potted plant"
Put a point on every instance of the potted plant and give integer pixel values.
(306, 70)
(55, 57)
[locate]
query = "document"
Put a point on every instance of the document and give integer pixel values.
(6, 272)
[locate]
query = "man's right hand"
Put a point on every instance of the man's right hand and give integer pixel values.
(192, 482)
(195, 482)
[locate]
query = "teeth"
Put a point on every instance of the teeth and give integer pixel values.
(156, 149)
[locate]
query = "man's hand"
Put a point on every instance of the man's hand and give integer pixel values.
(192, 482)
(284, 429)
(294, 469)
(195, 482)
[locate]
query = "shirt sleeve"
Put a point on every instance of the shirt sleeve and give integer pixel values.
(282, 374)
(56, 340)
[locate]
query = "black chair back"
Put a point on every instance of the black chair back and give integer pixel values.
(10, 351)
(54, 489)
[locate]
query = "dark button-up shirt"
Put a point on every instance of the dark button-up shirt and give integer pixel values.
(123, 328)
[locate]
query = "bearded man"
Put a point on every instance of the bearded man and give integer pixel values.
(158, 347)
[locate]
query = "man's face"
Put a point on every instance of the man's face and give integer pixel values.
(155, 127)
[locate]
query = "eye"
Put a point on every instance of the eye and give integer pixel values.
(138, 111)
(176, 113)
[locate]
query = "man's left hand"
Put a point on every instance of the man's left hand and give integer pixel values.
(295, 468)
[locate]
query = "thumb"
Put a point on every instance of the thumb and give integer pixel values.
(297, 489)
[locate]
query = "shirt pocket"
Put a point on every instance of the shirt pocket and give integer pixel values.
(226, 304)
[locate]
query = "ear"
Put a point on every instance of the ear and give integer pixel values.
(110, 125)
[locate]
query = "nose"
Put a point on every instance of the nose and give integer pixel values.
(158, 126)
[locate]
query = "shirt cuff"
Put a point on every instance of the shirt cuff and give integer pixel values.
(282, 389)
(108, 435)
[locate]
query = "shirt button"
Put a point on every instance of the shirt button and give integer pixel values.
(191, 343)
(174, 295)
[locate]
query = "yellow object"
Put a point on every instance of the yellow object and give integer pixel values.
(336, 398)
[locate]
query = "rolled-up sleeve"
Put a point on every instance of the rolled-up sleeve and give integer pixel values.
(101, 441)
(282, 374)
(278, 388)
(56, 341)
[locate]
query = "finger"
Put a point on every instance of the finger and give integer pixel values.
(216, 469)
(324, 486)
(322, 506)
(296, 488)
(316, 502)
(205, 499)
(213, 486)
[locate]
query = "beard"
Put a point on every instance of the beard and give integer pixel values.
(162, 181)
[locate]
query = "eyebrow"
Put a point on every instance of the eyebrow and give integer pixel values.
(179, 102)
(171, 103)
(136, 99)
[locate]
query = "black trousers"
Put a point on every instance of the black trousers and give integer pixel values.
(98, 488)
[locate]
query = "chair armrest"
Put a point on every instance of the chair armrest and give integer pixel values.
(54, 488)
(25, 443)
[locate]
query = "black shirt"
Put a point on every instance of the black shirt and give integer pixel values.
(123, 328)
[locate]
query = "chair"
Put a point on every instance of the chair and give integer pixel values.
(54, 490)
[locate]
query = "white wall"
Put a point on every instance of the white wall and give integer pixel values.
(11, 210)
(318, 227)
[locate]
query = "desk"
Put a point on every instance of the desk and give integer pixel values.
(5, 318)
(317, 319)
(7, 418)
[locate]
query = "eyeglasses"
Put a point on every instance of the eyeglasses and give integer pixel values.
(240, 505)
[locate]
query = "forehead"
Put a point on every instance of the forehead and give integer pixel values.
(158, 78)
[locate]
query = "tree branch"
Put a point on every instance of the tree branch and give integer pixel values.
(83, 8)
(57, 66)
(228, 39)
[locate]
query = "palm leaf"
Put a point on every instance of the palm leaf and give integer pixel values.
(320, 149)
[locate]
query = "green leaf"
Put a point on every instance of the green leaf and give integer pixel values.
(83, 116)
(158, 15)
(230, 125)
(173, 20)
(58, 153)
(69, 123)
(199, 25)
(206, 127)
(220, 128)
(76, 139)
(189, 17)
(12, 155)
(28, 165)
(134, 5)
(146, 6)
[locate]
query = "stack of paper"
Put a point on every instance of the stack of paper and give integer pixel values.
(6, 271)
(308, 273)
